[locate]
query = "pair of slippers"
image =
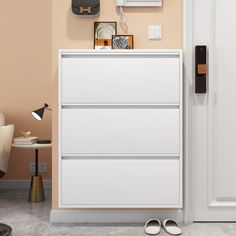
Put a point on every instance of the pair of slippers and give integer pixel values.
(153, 227)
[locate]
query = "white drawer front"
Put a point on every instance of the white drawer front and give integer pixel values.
(129, 131)
(121, 183)
(110, 79)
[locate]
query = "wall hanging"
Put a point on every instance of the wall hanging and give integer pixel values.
(86, 7)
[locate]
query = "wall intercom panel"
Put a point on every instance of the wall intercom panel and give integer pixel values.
(139, 3)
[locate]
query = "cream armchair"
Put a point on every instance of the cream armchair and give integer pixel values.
(6, 136)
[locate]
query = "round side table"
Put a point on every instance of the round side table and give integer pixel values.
(36, 193)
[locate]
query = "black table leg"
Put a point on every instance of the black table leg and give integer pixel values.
(36, 162)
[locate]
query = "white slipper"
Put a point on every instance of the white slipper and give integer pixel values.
(152, 227)
(171, 227)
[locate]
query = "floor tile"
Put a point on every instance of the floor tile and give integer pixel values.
(32, 219)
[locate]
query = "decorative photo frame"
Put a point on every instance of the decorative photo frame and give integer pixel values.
(122, 42)
(103, 31)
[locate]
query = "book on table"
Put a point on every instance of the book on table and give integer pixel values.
(23, 141)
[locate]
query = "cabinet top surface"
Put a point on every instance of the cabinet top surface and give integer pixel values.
(120, 52)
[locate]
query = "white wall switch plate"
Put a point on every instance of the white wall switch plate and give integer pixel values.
(31, 167)
(42, 168)
(154, 32)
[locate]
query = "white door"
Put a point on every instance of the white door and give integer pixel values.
(214, 113)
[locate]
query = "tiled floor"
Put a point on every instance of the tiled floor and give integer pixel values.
(33, 220)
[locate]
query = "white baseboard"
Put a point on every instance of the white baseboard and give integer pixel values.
(112, 216)
(22, 184)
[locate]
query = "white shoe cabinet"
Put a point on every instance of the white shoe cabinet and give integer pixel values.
(120, 129)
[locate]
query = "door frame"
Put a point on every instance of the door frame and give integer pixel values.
(188, 110)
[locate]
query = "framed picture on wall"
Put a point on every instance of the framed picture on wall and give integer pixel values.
(103, 32)
(122, 41)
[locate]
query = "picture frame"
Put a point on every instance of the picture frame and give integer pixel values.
(122, 41)
(103, 31)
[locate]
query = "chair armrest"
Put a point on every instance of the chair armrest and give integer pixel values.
(6, 137)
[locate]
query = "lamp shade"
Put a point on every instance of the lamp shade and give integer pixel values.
(38, 114)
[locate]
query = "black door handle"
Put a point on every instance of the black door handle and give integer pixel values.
(201, 69)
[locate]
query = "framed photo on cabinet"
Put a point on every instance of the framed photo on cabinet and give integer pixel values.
(122, 41)
(103, 31)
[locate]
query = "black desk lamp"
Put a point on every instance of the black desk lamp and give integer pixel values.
(38, 115)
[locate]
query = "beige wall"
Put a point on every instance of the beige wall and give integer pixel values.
(25, 74)
(69, 31)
